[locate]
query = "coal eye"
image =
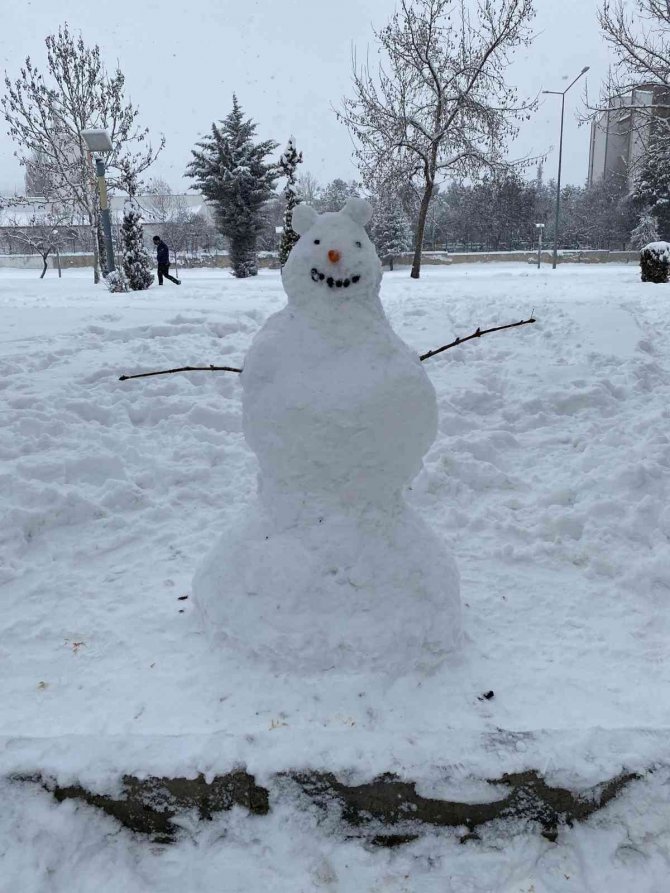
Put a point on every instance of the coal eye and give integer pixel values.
(317, 241)
(358, 244)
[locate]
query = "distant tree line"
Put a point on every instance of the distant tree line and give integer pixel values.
(501, 213)
(431, 129)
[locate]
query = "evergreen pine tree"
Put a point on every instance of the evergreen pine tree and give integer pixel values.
(334, 196)
(287, 164)
(230, 171)
(645, 232)
(136, 263)
(652, 182)
(392, 233)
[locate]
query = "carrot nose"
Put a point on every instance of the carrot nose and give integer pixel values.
(334, 256)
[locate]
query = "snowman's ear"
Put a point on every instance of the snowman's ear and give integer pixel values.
(303, 217)
(358, 209)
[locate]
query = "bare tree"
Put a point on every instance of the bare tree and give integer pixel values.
(309, 188)
(36, 177)
(439, 104)
(182, 228)
(160, 201)
(640, 39)
(177, 232)
(46, 114)
(171, 212)
(636, 95)
(43, 233)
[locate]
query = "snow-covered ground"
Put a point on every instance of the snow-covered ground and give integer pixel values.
(549, 480)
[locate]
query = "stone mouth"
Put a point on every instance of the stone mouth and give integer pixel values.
(331, 281)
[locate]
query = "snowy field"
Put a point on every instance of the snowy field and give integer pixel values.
(549, 481)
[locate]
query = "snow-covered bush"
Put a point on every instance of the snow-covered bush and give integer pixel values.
(116, 281)
(654, 262)
(136, 262)
(645, 232)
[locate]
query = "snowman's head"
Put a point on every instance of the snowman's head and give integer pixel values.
(334, 260)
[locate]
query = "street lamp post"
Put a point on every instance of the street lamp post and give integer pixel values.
(560, 160)
(55, 235)
(99, 144)
(540, 230)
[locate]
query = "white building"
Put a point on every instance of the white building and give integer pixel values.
(619, 134)
(156, 209)
(161, 215)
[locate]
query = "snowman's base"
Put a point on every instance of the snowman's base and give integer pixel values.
(372, 591)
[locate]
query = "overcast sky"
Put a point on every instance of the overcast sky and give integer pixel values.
(289, 63)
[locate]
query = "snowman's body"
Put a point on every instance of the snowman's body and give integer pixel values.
(333, 570)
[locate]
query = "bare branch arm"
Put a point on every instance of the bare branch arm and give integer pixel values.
(181, 369)
(477, 334)
(425, 356)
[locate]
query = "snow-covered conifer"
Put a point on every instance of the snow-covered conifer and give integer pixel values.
(230, 170)
(392, 233)
(645, 232)
(652, 180)
(288, 164)
(136, 263)
(335, 194)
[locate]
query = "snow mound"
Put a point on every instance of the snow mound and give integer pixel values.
(659, 249)
(358, 591)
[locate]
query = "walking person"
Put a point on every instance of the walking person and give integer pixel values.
(163, 261)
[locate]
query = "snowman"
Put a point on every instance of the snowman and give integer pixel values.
(332, 570)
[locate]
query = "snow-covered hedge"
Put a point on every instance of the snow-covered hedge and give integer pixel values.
(117, 282)
(655, 262)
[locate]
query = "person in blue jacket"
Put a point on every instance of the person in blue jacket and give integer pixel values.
(163, 261)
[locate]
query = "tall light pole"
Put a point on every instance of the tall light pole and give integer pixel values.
(560, 160)
(55, 235)
(99, 144)
(540, 229)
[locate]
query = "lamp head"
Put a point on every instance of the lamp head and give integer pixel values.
(97, 141)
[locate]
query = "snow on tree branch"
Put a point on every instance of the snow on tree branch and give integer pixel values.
(43, 232)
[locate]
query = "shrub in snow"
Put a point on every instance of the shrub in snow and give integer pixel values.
(116, 281)
(645, 232)
(654, 262)
(136, 262)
